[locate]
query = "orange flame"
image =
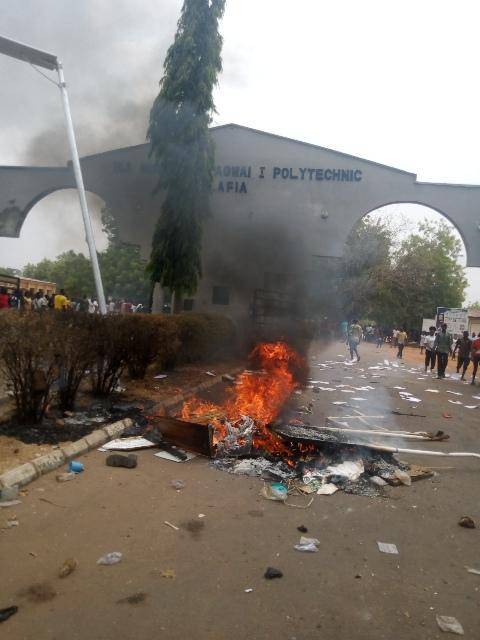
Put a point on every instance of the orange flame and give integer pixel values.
(259, 395)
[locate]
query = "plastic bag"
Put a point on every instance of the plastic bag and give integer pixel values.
(274, 491)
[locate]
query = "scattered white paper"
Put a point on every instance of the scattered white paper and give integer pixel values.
(455, 393)
(327, 388)
(327, 489)
(450, 625)
(413, 399)
(358, 399)
(402, 388)
(432, 390)
(471, 406)
(211, 373)
(387, 547)
(339, 402)
(127, 444)
(351, 469)
(476, 397)
(160, 376)
(455, 402)
(473, 570)
(169, 456)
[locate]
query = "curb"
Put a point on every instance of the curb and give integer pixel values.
(29, 471)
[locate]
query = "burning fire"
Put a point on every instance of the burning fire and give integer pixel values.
(258, 394)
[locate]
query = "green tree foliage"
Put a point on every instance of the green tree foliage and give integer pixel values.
(10, 271)
(70, 271)
(427, 274)
(366, 269)
(181, 143)
(122, 267)
(400, 280)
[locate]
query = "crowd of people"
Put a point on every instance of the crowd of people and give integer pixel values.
(438, 344)
(40, 301)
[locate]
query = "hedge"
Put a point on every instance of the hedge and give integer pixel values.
(39, 351)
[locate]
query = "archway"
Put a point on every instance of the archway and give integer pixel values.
(53, 225)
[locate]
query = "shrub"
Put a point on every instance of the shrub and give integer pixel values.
(168, 344)
(111, 344)
(204, 336)
(150, 339)
(27, 361)
(73, 349)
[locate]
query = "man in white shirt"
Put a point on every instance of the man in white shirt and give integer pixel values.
(92, 305)
(430, 354)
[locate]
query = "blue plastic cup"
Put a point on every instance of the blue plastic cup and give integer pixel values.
(76, 467)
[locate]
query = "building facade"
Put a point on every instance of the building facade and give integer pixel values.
(281, 213)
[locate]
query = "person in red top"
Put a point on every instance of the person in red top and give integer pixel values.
(4, 299)
(475, 355)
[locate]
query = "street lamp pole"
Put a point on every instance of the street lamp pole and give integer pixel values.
(39, 58)
(81, 191)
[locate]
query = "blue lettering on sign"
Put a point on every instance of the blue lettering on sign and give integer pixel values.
(234, 171)
(307, 173)
(232, 186)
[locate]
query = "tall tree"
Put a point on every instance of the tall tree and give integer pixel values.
(366, 270)
(427, 273)
(181, 144)
(398, 279)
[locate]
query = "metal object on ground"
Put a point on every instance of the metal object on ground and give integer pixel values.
(191, 436)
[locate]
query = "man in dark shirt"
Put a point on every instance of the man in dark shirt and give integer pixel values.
(463, 346)
(443, 345)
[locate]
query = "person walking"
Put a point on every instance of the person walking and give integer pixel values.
(464, 347)
(379, 337)
(430, 354)
(401, 342)
(475, 356)
(355, 333)
(443, 345)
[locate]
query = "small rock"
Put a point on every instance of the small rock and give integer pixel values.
(467, 522)
(65, 477)
(302, 528)
(68, 567)
(59, 422)
(5, 614)
(120, 460)
(272, 573)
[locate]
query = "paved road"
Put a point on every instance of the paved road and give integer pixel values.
(349, 590)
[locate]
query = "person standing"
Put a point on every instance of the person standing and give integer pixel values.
(61, 302)
(354, 336)
(464, 347)
(430, 354)
(4, 298)
(475, 356)
(401, 341)
(443, 345)
(422, 341)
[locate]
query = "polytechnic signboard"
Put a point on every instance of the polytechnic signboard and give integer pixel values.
(455, 319)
